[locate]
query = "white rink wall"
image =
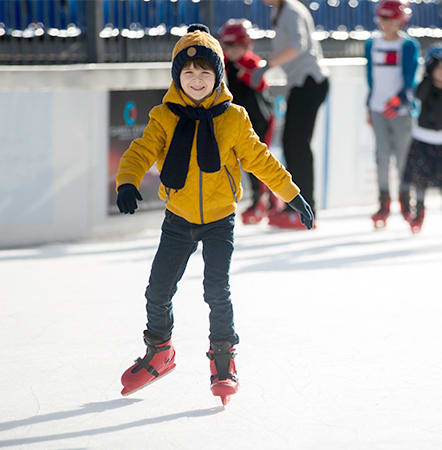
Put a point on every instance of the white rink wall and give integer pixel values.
(54, 143)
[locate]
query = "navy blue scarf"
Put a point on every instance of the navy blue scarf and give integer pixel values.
(176, 165)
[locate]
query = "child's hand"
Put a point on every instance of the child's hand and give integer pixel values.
(391, 108)
(304, 210)
(127, 198)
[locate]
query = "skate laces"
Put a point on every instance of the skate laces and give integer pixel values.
(144, 362)
(222, 354)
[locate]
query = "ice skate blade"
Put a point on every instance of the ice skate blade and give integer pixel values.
(251, 221)
(225, 399)
(127, 391)
(415, 229)
(288, 227)
(379, 224)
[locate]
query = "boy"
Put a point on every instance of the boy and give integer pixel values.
(392, 61)
(197, 138)
(240, 61)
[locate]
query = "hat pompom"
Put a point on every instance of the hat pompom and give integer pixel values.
(198, 26)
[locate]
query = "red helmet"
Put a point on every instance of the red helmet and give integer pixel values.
(395, 10)
(234, 31)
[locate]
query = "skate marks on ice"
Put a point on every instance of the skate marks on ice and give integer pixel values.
(75, 249)
(91, 408)
(339, 242)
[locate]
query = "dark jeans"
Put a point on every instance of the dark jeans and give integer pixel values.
(302, 106)
(179, 239)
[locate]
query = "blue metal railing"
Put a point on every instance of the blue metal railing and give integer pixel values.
(121, 30)
(21, 15)
(121, 13)
(124, 14)
(358, 14)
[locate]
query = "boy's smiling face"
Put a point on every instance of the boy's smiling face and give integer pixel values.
(197, 82)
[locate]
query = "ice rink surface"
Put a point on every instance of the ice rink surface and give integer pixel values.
(340, 328)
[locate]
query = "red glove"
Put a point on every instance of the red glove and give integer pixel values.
(392, 107)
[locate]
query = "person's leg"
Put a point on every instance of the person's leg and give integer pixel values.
(255, 184)
(302, 108)
(401, 140)
(401, 128)
(420, 195)
(261, 129)
(383, 150)
(258, 209)
(176, 246)
(217, 239)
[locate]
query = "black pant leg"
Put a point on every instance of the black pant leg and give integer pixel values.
(302, 107)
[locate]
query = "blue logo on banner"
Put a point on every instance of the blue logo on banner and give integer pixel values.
(130, 113)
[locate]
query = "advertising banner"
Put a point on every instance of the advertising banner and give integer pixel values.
(129, 114)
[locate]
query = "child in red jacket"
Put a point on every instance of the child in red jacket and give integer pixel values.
(240, 61)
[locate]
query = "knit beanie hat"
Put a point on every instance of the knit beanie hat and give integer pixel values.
(197, 43)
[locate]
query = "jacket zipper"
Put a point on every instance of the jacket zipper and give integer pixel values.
(232, 183)
(201, 197)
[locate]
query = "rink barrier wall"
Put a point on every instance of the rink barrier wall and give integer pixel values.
(54, 142)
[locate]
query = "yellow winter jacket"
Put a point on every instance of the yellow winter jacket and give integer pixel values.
(205, 197)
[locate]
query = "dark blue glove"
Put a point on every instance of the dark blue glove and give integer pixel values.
(127, 198)
(304, 210)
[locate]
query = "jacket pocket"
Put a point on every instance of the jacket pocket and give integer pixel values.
(231, 183)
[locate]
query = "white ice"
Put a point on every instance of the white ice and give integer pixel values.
(340, 328)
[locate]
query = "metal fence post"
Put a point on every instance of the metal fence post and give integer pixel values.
(94, 24)
(207, 14)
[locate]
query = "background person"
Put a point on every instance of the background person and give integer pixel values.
(240, 61)
(424, 163)
(298, 54)
(392, 60)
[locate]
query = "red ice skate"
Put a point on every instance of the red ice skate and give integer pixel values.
(255, 213)
(287, 219)
(224, 381)
(159, 360)
(418, 218)
(380, 217)
(266, 204)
